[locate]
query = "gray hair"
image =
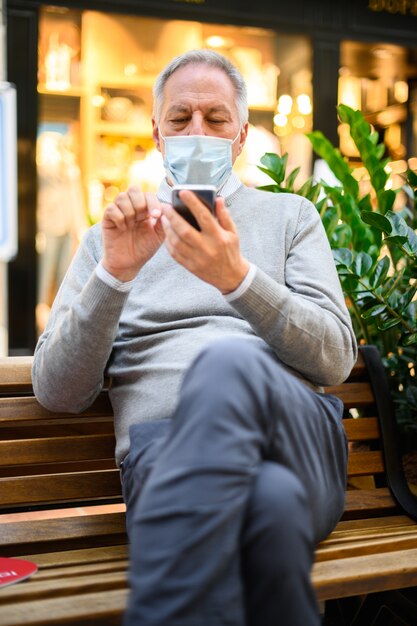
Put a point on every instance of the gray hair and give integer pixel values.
(203, 57)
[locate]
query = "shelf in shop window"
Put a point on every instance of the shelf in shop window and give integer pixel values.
(71, 92)
(262, 108)
(121, 129)
(135, 82)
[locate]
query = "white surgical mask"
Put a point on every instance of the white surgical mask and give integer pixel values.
(198, 159)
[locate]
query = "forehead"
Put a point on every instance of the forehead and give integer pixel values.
(197, 84)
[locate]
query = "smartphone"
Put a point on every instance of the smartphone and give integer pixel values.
(207, 195)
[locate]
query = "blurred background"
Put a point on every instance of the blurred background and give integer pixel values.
(84, 73)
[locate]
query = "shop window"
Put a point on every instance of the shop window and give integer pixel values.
(379, 79)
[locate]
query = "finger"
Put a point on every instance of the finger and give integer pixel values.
(153, 204)
(125, 205)
(224, 217)
(138, 201)
(183, 229)
(200, 211)
(174, 239)
(113, 217)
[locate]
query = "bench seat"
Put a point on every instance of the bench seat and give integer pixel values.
(53, 464)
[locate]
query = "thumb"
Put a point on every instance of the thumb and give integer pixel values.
(223, 216)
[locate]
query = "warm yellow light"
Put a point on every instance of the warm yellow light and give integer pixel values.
(280, 119)
(304, 104)
(130, 69)
(215, 41)
(98, 101)
(401, 91)
(282, 131)
(284, 104)
(298, 121)
(350, 91)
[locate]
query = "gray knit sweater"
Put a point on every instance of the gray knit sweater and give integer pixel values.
(146, 338)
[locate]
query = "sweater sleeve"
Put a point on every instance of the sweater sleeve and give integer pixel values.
(305, 320)
(72, 353)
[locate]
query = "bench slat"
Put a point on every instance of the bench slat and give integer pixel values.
(360, 575)
(365, 463)
(362, 428)
(24, 408)
(368, 502)
(72, 487)
(51, 449)
(39, 589)
(354, 395)
(104, 608)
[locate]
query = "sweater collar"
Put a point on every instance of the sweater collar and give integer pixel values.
(231, 185)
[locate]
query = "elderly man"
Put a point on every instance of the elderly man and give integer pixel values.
(217, 341)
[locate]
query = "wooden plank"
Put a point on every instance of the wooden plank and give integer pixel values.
(54, 488)
(28, 408)
(56, 449)
(353, 395)
(360, 575)
(39, 589)
(15, 374)
(388, 521)
(367, 503)
(371, 542)
(364, 463)
(104, 608)
(55, 469)
(83, 569)
(57, 427)
(69, 558)
(69, 533)
(362, 428)
(51, 530)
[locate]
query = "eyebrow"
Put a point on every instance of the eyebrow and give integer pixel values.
(180, 108)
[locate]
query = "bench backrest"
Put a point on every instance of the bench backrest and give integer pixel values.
(53, 460)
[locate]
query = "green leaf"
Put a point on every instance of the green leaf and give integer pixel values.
(345, 113)
(412, 178)
(377, 220)
(350, 283)
(342, 236)
(305, 189)
(386, 200)
(380, 272)
(274, 166)
(388, 323)
(398, 224)
(374, 311)
(412, 240)
(335, 161)
(289, 183)
(409, 340)
(273, 188)
(363, 263)
(380, 151)
(343, 256)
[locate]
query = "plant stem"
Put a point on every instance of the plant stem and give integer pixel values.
(363, 326)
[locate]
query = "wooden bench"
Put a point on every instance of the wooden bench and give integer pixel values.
(60, 467)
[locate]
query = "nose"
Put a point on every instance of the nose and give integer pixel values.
(196, 126)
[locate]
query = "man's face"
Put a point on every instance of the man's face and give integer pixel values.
(200, 100)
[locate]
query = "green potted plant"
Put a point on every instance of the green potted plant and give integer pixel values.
(374, 248)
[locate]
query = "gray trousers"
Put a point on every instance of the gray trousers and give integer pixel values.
(227, 500)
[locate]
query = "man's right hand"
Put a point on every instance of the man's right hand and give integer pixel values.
(132, 232)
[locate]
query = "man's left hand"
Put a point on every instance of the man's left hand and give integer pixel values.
(212, 254)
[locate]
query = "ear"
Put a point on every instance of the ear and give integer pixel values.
(242, 138)
(155, 134)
